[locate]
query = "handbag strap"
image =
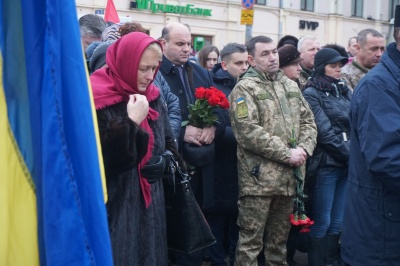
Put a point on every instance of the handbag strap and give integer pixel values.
(177, 169)
(174, 169)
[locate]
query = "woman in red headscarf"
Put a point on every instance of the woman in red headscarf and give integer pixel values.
(134, 133)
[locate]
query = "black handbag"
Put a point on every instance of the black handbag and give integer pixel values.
(187, 229)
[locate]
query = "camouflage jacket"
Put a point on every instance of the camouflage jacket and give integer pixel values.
(263, 113)
(352, 73)
(304, 76)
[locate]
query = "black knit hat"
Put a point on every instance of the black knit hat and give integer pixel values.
(327, 56)
(98, 58)
(397, 16)
(288, 39)
(288, 54)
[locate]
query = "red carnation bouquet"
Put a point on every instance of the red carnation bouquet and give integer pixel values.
(299, 217)
(201, 113)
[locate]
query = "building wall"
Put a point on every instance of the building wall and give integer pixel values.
(276, 19)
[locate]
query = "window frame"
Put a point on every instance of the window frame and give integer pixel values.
(392, 8)
(355, 10)
(307, 5)
(263, 2)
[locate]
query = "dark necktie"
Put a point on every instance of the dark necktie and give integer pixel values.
(180, 70)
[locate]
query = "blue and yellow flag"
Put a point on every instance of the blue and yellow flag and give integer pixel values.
(52, 190)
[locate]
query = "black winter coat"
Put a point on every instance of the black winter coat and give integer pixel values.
(226, 174)
(331, 107)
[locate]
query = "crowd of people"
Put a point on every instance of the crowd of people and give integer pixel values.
(340, 107)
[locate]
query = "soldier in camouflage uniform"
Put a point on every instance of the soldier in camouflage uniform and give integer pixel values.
(370, 47)
(308, 46)
(265, 108)
(304, 76)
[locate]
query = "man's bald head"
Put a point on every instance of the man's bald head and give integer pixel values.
(177, 43)
(173, 27)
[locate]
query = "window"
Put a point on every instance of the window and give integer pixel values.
(392, 8)
(357, 8)
(307, 5)
(261, 2)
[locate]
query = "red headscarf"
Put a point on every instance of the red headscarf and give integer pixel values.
(114, 84)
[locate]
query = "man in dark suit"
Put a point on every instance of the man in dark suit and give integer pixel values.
(184, 77)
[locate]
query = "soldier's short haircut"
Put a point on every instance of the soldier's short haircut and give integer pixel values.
(230, 49)
(362, 36)
(300, 44)
(92, 25)
(251, 45)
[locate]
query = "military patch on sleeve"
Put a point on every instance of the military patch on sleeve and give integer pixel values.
(264, 96)
(241, 110)
(293, 94)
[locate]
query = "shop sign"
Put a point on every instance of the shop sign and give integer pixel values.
(176, 9)
(246, 17)
(303, 24)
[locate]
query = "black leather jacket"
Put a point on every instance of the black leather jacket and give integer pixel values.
(329, 100)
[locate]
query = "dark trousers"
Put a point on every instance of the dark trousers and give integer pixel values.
(223, 225)
(192, 259)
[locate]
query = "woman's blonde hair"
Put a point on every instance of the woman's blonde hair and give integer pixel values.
(156, 48)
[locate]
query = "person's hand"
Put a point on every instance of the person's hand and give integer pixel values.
(155, 168)
(192, 135)
(298, 157)
(137, 108)
(208, 135)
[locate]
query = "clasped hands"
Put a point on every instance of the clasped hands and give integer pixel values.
(199, 136)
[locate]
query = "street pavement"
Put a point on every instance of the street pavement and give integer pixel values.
(299, 257)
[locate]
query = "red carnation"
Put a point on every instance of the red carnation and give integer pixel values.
(200, 93)
(224, 103)
(209, 93)
(213, 100)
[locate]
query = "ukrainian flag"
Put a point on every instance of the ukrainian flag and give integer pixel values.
(52, 192)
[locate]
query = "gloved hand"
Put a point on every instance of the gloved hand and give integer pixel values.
(156, 167)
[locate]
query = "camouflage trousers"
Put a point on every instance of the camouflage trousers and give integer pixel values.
(264, 222)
